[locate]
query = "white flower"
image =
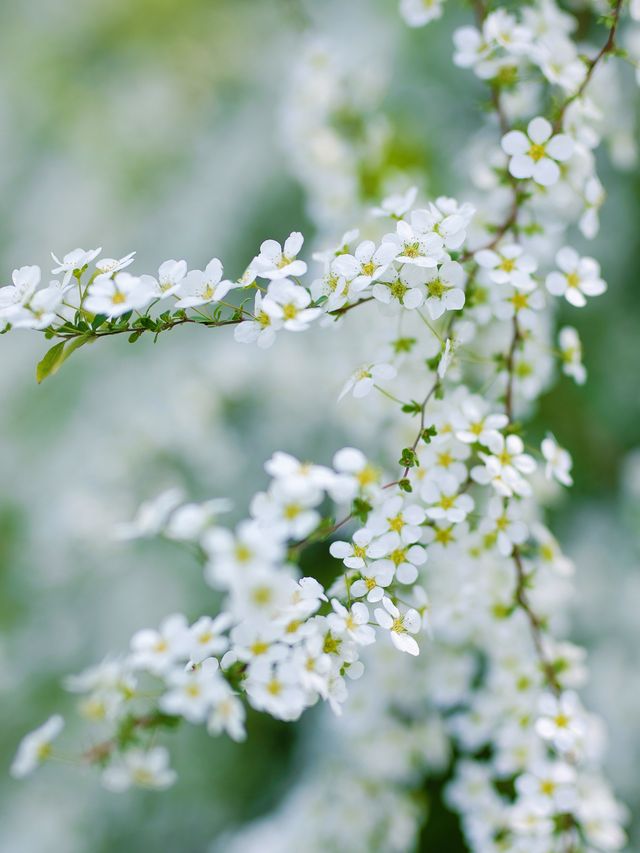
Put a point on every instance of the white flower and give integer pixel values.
(503, 526)
(191, 691)
(287, 303)
(373, 582)
(113, 265)
(416, 246)
(299, 478)
(363, 380)
(363, 547)
(232, 556)
(504, 468)
(403, 560)
(40, 311)
(227, 713)
(200, 287)
(516, 303)
(352, 622)
(549, 786)
(417, 13)
(261, 330)
(397, 205)
(143, 769)
(558, 461)
(404, 287)
(537, 154)
(562, 720)
(444, 289)
(394, 516)
(158, 651)
(508, 265)
(558, 59)
(594, 196)
(443, 500)
(366, 264)
(25, 281)
(36, 747)
(503, 29)
(116, 296)
(189, 521)
(400, 625)
(275, 689)
(571, 354)
(152, 516)
(334, 287)
(276, 261)
(580, 277)
(291, 514)
(73, 262)
(474, 423)
(207, 636)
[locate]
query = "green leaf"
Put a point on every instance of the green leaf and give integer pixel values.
(412, 408)
(405, 485)
(57, 355)
(409, 458)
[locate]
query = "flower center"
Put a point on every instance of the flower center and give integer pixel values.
(537, 152)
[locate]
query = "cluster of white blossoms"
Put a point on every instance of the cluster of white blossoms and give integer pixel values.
(452, 545)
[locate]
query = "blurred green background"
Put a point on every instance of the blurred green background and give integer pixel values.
(158, 126)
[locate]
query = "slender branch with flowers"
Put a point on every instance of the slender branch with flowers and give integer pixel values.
(454, 546)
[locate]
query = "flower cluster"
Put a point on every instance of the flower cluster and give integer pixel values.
(454, 543)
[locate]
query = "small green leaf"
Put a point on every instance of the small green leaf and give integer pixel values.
(405, 485)
(57, 355)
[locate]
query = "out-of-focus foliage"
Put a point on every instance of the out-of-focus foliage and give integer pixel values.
(158, 125)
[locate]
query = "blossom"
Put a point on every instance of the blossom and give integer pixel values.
(40, 311)
(504, 526)
(274, 689)
(74, 262)
(261, 329)
(200, 287)
(403, 287)
(114, 265)
(36, 747)
(140, 768)
(444, 501)
(288, 303)
(276, 261)
(400, 625)
(366, 264)
(474, 423)
(158, 651)
(417, 13)
(561, 721)
(25, 281)
(444, 289)
(118, 295)
(396, 516)
(397, 205)
(365, 378)
(579, 278)
(558, 461)
(352, 622)
(509, 265)
(191, 692)
(504, 467)
(152, 516)
(416, 246)
(537, 153)
(571, 354)
(207, 636)
(373, 582)
(363, 547)
(227, 713)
